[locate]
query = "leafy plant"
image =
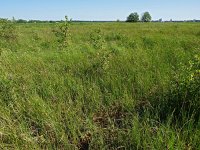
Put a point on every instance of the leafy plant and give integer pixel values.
(8, 35)
(182, 99)
(63, 33)
(97, 39)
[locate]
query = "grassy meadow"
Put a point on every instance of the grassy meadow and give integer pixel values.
(110, 86)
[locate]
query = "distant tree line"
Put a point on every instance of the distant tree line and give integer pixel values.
(134, 17)
(35, 21)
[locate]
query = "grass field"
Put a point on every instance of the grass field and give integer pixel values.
(116, 86)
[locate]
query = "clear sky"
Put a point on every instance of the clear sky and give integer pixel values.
(99, 9)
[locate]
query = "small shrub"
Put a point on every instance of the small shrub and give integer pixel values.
(198, 33)
(8, 35)
(62, 33)
(99, 62)
(148, 42)
(115, 37)
(182, 99)
(97, 39)
(7, 30)
(35, 37)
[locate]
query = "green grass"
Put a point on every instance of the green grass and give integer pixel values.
(114, 86)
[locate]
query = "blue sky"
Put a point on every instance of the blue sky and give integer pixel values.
(99, 9)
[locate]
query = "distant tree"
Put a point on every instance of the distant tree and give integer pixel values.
(160, 20)
(133, 17)
(146, 17)
(21, 21)
(13, 19)
(118, 20)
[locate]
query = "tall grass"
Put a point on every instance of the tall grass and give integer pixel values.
(116, 86)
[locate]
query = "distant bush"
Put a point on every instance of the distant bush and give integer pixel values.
(21, 21)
